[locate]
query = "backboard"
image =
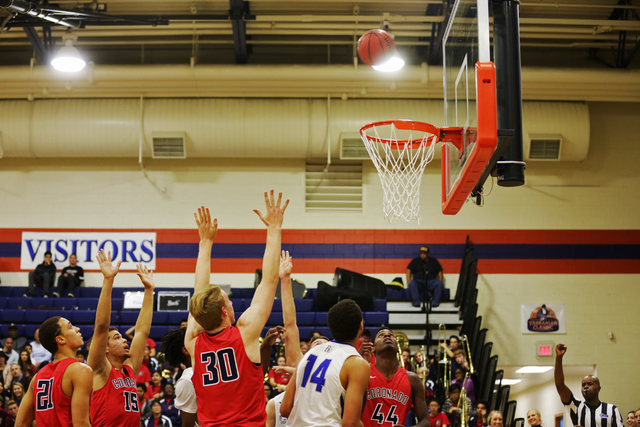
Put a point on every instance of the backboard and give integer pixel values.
(469, 101)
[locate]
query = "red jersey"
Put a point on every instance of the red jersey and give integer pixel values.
(439, 420)
(53, 408)
(116, 403)
(388, 401)
(279, 377)
(229, 386)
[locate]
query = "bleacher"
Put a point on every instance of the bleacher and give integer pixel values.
(29, 313)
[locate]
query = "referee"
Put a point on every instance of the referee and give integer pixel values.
(592, 412)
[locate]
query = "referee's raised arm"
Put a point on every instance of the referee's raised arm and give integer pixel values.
(558, 375)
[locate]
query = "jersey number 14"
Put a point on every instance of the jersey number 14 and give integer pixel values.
(317, 377)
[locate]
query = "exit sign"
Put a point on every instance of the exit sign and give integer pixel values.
(544, 348)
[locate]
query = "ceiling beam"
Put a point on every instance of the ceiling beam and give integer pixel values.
(41, 50)
(237, 10)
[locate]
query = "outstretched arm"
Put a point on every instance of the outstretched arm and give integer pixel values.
(357, 372)
(143, 324)
(558, 375)
(27, 411)
(289, 397)
(265, 347)
(292, 334)
(207, 231)
(97, 359)
(418, 397)
(255, 317)
(81, 379)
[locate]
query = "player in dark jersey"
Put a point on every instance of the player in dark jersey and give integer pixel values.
(60, 392)
(115, 365)
(392, 390)
(227, 375)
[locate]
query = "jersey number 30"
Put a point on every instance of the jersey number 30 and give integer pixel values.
(317, 377)
(44, 400)
(221, 365)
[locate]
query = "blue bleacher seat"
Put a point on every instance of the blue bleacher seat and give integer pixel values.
(127, 316)
(6, 291)
(116, 303)
(372, 318)
(114, 317)
(397, 294)
(246, 303)
(87, 317)
(3, 302)
(312, 293)
(320, 318)
(175, 317)
(90, 304)
(380, 304)
(305, 331)
(238, 303)
(275, 319)
(29, 330)
(86, 331)
(304, 304)
(36, 316)
(88, 292)
(158, 332)
(277, 305)
(12, 316)
(160, 317)
(16, 302)
(67, 303)
(40, 301)
(242, 292)
(306, 318)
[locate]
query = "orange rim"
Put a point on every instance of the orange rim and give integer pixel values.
(437, 134)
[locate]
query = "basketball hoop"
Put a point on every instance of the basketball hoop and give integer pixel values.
(400, 150)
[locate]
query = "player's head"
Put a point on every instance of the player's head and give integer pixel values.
(385, 342)
(211, 307)
(317, 340)
(57, 332)
(173, 348)
(345, 321)
(434, 406)
(117, 345)
(590, 387)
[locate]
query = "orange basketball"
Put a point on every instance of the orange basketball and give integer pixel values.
(376, 47)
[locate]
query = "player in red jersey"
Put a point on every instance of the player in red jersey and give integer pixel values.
(227, 374)
(115, 396)
(60, 392)
(392, 390)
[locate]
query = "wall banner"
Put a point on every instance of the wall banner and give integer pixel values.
(543, 319)
(131, 248)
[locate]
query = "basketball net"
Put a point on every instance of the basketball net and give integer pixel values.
(400, 164)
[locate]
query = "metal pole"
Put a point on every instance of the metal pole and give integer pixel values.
(506, 52)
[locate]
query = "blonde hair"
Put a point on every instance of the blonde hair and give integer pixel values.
(491, 414)
(536, 412)
(206, 307)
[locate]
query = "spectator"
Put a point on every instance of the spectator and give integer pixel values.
(183, 323)
(459, 378)
(43, 276)
(304, 347)
(420, 365)
(314, 334)
(143, 403)
(26, 363)
(12, 409)
(80, 356)
(11, 354)
(631, 419)
(154, 390)
(70, 278)
(365, 340)
(169, 405)
(4, 397)
(534, 418)
(18, 341)
(637, 414)
(480, 418)
(406, 358)
(143, 376)
(279, 381)
(5, 418)
(157, 419)
(175, 353)
(495, 419)
(18, 392)
(451, 408)
(17, 376)
(268, 391)
(4, 369)
(437, 418)
(419, 268)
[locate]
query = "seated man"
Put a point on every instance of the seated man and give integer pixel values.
(421, 267)
(42, 277)
(70, 278)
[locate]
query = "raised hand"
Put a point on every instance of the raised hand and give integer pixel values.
(146, 277)
(206, 228)
(286, 264)
(366, 350)
(272, 335)
(108, 270)
(561, 349)
(274, 214)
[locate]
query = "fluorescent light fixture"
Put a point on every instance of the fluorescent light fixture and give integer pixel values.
(508, 382)
(68, 59)
(394, 64)
(534, 369)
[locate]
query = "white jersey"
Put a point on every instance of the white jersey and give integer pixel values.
(277, 401)
(319, 399)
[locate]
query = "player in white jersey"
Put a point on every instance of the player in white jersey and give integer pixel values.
(328, 386)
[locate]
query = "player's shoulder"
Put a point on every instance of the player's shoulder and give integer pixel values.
(79, 371)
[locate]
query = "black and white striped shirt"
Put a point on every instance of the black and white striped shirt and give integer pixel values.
(603, 415)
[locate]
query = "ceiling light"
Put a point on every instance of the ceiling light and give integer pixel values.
(394, 64)
(508, 382)
(68, 59)
(534, 369)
